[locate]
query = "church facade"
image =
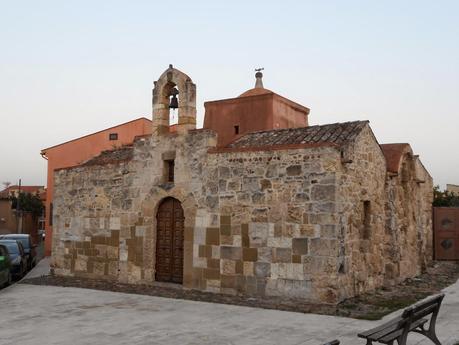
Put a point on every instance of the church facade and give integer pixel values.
(256, 203)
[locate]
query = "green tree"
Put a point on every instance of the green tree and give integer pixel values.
(28, 203)
(444, 198)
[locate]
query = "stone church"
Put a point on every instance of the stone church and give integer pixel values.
(256, 202)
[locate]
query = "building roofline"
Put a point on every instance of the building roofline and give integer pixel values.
(43, 151)
(280, 147)
(270, 94)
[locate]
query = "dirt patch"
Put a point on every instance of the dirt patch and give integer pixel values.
(370, 306)
(373, 306)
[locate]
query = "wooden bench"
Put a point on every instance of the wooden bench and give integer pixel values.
(413, 319)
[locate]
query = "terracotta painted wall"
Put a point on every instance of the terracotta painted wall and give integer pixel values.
(9, 221)
(255, 113)
(77, 151)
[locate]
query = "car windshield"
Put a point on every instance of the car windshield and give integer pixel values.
(13, 247)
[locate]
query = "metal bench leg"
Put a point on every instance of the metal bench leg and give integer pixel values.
(432, 336)
(435, 339)
(402, 339)
(429, 333)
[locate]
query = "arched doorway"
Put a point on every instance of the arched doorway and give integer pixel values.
(169, 241)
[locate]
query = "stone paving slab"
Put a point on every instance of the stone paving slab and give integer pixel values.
(56, 315)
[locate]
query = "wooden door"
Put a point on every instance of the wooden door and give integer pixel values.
(169, 241)
(446, 233)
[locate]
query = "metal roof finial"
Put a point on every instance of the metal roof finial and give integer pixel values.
(259, 76)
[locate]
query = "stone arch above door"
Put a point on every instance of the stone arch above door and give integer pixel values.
(149, 209)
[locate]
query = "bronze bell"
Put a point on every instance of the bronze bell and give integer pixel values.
(173, 103)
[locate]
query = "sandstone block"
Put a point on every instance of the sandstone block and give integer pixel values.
(262, 269)
(115, 223)
(249, 254)
(231, 253)
(294, 170)
(224, 172)
(211, 273)
(228, 282)
(300, 246)
(287, 271)
(81, 264)
(99, 268)
(212, 236)
(258, 234)
(325, 247)
(323, 192)
(282, 255)
(290, 288)
(316, 265)
(228, 266)
(280, 242)
(265, 254)
(248, 268)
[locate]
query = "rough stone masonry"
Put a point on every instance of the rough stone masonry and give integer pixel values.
(320, 213)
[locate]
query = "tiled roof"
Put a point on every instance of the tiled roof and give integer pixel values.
(24, 189)
(394, 154)
(112, 156)
(336, 133)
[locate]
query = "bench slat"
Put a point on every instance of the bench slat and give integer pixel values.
(386, 331)
(423, 312)
(392, 336)
(380, 328)
(427, 303)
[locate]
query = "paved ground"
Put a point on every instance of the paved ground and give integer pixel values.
(32, 314)
(42, 269)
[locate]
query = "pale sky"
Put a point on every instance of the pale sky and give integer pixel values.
(72, 68)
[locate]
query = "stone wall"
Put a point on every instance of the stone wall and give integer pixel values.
(105, 213)
(255, 222)
(408, 236)
(276, 233)
(361, 207)
(308, 222)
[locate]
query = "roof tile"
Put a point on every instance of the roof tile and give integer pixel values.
(336, 133)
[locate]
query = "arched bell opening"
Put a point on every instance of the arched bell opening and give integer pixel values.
(174, 103)
(171, 96)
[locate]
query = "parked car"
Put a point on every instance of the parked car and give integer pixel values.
(29, 247)
(6, 276)
(17, 256)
